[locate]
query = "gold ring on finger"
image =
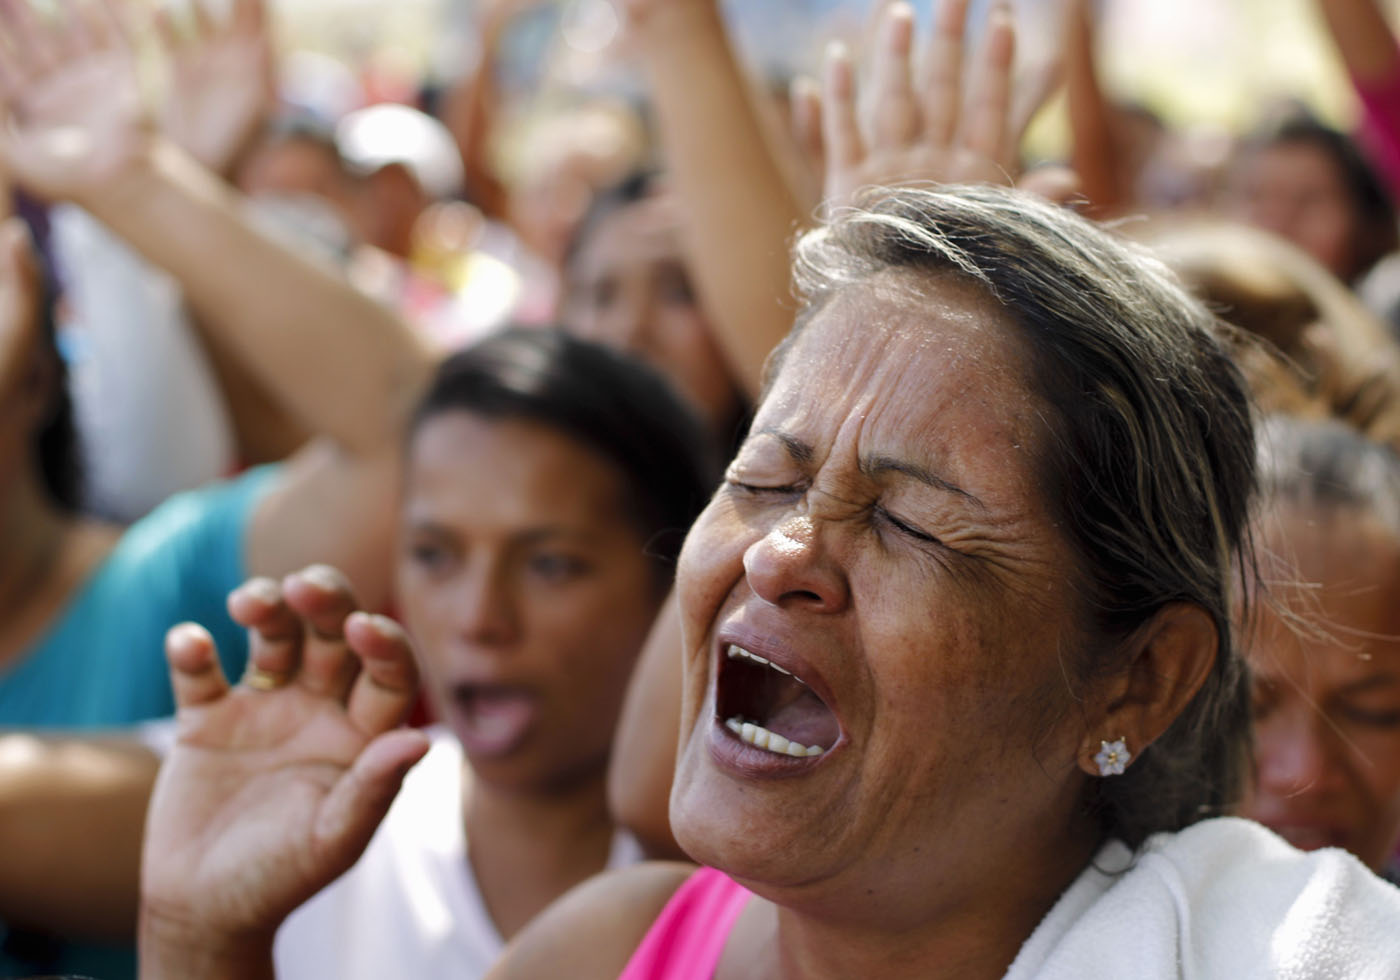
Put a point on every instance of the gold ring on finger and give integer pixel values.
(263, 680)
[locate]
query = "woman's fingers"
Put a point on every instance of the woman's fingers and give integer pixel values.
(890, 112)
(195, 673)
(30, 50)
(388, 681)
(805, 111)
(321, 596)
(985, 129)
(844, 147)
(940, 73)
(359, 799)
(274, 633)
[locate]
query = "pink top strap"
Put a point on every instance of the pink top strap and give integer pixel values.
(688, 937)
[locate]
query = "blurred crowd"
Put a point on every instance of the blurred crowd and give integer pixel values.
(327, 337)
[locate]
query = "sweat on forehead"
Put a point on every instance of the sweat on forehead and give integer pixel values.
(896, 304)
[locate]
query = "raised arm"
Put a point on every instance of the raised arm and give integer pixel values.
(1363, 39)
(1094, 151)
(740, 210)
(342, 365)
(469, 111)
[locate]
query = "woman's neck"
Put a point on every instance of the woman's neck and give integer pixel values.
(975, 936)
(527, 849)
(47, 552)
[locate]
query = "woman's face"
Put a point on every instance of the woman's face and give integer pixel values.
(628, 288)
(1296, 191)
(1327, 693)
(526, 588)
(880, 535)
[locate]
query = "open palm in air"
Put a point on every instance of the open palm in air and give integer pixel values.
(69, 97)
(223, 79)
(276, 784)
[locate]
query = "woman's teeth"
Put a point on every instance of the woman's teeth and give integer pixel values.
(761, 737)
(739, 653)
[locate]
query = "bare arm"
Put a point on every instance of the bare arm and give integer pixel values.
(1094, 152)
(50, 788)
(339, 363)
(644, 748)
(740, 209)
(1363, 38)
(469, 112)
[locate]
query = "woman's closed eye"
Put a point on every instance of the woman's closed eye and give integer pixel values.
(1368, 716)
(904, 527)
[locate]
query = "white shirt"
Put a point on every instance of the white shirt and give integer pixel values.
(1223, 899)
(410, 907)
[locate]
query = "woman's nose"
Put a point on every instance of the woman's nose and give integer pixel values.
(791, 566)
(485, 613)
(1295, 754)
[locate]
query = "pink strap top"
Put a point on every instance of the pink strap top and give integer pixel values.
(688, 937)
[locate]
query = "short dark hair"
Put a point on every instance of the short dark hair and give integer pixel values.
(1149, 461)
(56, 442)
(606, 401)
(1371, 202)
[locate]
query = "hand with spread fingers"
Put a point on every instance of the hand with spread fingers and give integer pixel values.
(223, 79)
(71, 113)
(277, 783)
(934, 121)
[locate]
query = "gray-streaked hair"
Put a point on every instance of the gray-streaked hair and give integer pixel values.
(1150, 461)
(1328, 466)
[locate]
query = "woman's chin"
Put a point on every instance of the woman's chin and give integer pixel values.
(750, 836)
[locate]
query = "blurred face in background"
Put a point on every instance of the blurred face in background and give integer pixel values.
(628, 287)
(526, 586)
(1297, 191)
(1327, 687)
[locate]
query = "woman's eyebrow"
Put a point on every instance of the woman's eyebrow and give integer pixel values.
(800, 451)
(880, 464)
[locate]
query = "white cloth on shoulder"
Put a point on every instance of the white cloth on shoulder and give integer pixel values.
(411, 906)
(1224, 898)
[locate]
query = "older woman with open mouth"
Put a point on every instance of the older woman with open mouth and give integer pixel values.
(961, 689)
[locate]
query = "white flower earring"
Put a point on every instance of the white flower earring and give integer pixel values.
(1113, 758)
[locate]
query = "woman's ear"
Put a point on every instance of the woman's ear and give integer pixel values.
(1171, 658)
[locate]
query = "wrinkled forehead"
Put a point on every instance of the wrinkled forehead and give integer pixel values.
(911, 361)
(908, 335)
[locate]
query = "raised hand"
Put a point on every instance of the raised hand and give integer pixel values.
(939, 122)
(71, 114)
(223, 80)
(276, 784)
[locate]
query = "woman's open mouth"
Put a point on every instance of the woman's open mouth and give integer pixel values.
(770, 708)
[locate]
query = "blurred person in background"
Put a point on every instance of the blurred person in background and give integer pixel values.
(1325, 651)
(75, 647)
(1308, 183)
(548, 485)
(628, 284)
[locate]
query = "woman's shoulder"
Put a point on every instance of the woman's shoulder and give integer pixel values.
(1221, 898)
(593, 930)
(1243, 902)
